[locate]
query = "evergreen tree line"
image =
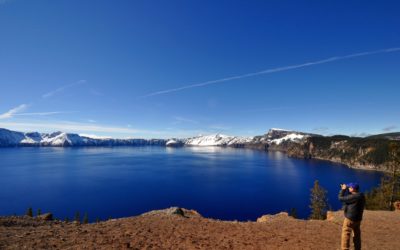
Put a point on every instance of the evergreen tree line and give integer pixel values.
(379, 198)
(383, 196)
(77, 218)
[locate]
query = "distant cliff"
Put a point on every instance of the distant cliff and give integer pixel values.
(362, 153)
(380, 152)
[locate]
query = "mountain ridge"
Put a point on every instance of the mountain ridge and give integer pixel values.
(9, 138)
(380, 153)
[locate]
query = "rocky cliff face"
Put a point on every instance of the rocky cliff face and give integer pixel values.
(362, 153)
(370, 153)
(278, 139)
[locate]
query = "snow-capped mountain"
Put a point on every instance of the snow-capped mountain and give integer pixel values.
(174, 143)
(290, 137)
(277, 136)
(61, 139)
(11, 138)
(216, 140)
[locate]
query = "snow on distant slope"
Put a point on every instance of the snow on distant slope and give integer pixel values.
(10, 138)
(13, 138)
(279, 129)
(171, 142)
(289, 137)
(174, 143)
(216, 140)
(61, 139)
(97, 136)
(208, 140)
(32, 138)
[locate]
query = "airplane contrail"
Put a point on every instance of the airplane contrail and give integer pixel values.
(273, 70)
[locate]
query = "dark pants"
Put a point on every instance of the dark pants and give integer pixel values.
(349, 227)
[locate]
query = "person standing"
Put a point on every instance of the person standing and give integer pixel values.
(353, 205)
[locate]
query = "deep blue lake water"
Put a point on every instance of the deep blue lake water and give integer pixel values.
(223, 183)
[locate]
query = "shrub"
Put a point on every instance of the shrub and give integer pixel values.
(29, 212)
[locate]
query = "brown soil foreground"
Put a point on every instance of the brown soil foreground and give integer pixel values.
(165, 230)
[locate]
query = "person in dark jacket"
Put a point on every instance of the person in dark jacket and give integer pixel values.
(353, 205)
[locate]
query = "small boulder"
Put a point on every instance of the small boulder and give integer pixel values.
(263, 218)
(178, 211)
(330, 216)
(45, 217)
(336, 217)
(191, 213)
(268, 217)
(396, 205)
(175, 211)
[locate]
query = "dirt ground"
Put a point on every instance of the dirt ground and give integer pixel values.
(164, 230)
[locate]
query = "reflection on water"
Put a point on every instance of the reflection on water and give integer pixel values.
(207, 149)
(277, 155)
(225, 183)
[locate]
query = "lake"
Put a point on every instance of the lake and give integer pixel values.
(222, 183)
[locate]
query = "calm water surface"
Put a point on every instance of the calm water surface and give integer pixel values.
(221, 183)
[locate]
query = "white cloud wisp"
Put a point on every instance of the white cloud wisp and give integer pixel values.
(61, 89)
(13, 111)
(45, 113)
(273, 70)
(74, 127)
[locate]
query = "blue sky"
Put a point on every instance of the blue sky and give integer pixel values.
(111, 67)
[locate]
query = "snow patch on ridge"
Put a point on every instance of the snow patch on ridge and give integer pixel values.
(290, 137)
(171, 142)
(216, 140)
(61, 139)
(97, 136)
(279, 129)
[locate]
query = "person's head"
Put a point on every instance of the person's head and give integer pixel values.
(353, 187)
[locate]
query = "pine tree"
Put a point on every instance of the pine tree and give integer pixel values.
(383, 196)
(66, 219)
(394, 152)
(39, 212)
(319, 202)
(388, 191)
(293, 212)
(29, 212)
(85, 219)
(77, 217)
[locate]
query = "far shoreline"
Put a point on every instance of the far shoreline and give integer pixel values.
(199, 146)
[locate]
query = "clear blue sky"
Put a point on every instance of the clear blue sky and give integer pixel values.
(97, 67)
